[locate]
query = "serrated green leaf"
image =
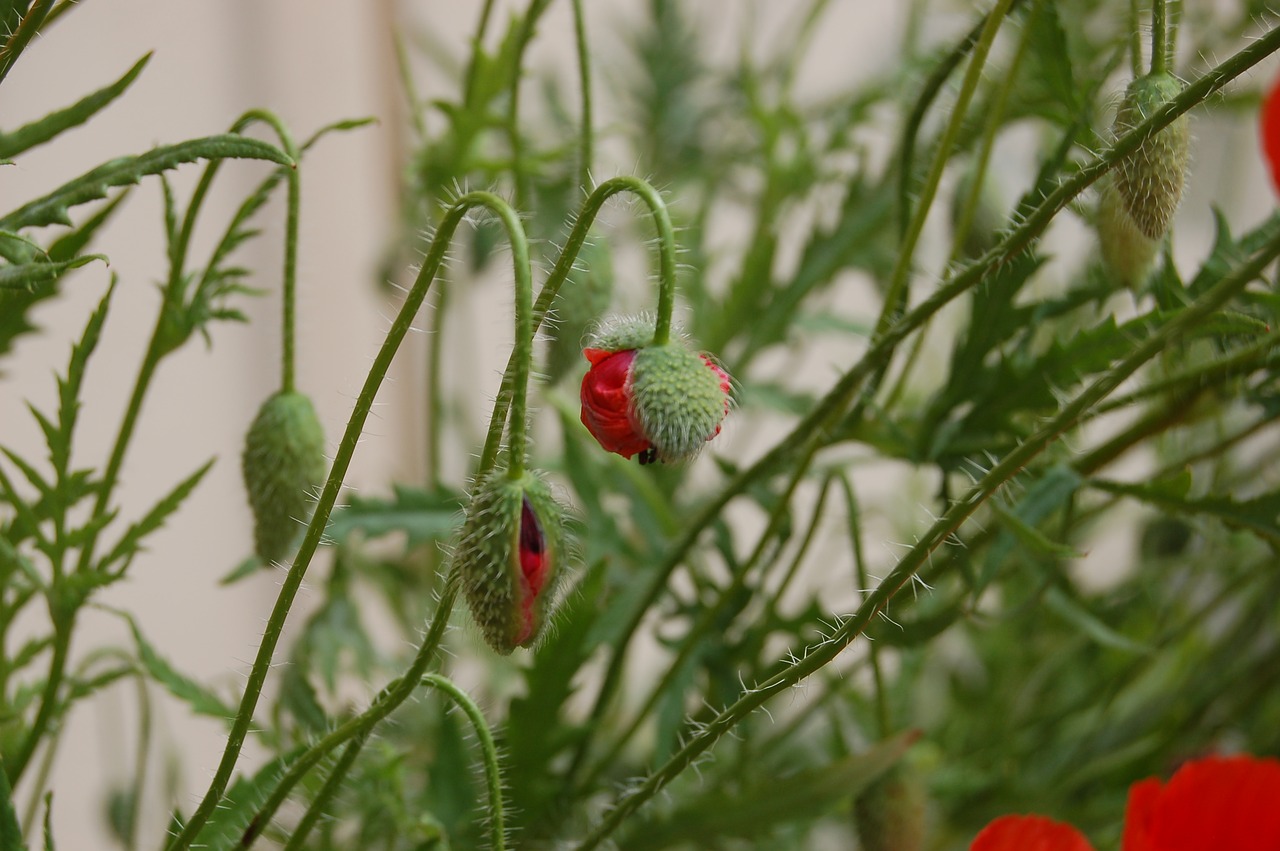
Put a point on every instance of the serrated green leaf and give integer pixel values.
(17, 248)
(298, 699)
(1259, 515)
(69, 387)
(1032, 539)
(131, 541)
(247, 567)
(10, 832)
(422, 515)
(1077, 615)
(765, 804)
(38, 132)
(125, 171)
(27, 277)
(31, 474)
(201, 700)
(1045, 496)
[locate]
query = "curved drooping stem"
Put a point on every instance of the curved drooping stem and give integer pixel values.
(329, 494)
(511, 380)
(290, 275)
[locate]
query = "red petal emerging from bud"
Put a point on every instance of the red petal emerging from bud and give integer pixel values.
(726, 385)
(1029, 833)
(1270, 129)
(533, 569)
(606, 402)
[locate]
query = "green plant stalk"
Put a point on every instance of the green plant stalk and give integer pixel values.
(864, 587)
(995, 117)
(435, 389)
(814, 658)
(585, 153)
(477, 50)
(560, 272)
(329, 494)
(356, 731)
(1257, 355)
(488, 751)
(1135, 40)
(1159, 38)
(316, 809)
(290, 274)
(897, 290)
(17, 42)
(708, 617)
(527, 25)
(928, 93)
(828, 412)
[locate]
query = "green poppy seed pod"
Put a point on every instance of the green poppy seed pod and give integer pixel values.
(889, 814)
(1150, 180)
(1127, 253)
(508, 556)
(284, 464)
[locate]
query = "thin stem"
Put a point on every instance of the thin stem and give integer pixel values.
(584, 76)
(897, 291)
(356, 731)
(289, 297)
(864, 588)
(814, 658)
(328, 497)
(315, 811)
(477, 42)
(1159, 38)
(564, 265)
(536, 8)
(1135, 39)
(831, 408)
(435, 388)
(489, 751)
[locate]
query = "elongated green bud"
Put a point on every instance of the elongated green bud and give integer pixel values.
(1127, 252)
(284, 465)
(508, 557)
(1150, 180)
(890, 814)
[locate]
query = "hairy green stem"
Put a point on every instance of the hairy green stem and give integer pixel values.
(896, 294)
(329, 495)
(585, 154)
(864, 587)
(814, 658)
(1159, 38)
(564, 265)
(830, 409)
(356, 731)
(527, 25)
(290, 274)
(316, 809)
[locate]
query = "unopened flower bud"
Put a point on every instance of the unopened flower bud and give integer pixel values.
(284, 464)
(508, 557)
(656, 401)
(1150, 180)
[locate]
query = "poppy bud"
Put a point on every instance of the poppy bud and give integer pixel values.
(283, 464)
(657, 401)
(1150, 180)
(1127, 252)
(508, 557)
(890, 813)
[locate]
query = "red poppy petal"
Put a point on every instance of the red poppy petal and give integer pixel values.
(1029, 833)
(1269, 125)
(533, 568)
(1210, 804)
(606, 402)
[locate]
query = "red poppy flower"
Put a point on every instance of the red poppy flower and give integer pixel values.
(658, 401)
(1269, 125)
(1214, 804)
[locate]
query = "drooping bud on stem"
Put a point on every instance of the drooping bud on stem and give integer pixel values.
(656, 400)
(508, 558)
(284, 466)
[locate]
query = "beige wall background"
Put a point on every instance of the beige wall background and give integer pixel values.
(312, 61)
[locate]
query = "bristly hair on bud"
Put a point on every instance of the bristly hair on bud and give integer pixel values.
(508, 557)
(658, 401)
(1150, 180)
(283, 464)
